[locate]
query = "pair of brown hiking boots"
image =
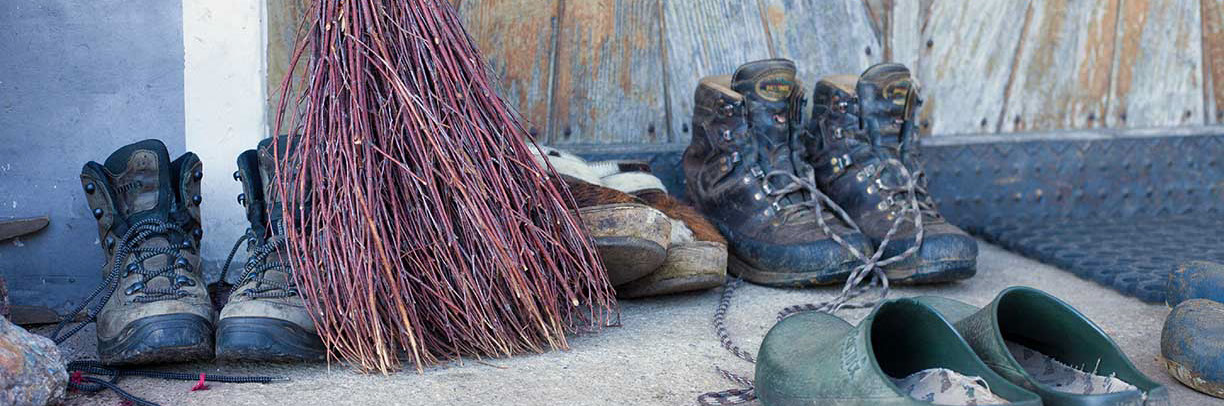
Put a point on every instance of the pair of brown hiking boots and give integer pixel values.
(807, 205)
(154, 305)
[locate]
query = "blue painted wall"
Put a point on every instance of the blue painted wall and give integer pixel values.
(78, 79)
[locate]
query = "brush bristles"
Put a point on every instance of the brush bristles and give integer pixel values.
(432, 233)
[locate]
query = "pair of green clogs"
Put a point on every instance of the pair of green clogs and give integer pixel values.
(1024, 348)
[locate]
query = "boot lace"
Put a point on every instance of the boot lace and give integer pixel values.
(257, 267)
(857, 284)
(897, 197)
(130, 247)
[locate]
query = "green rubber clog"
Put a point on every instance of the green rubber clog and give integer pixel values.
(1040, 327)
(818, 359)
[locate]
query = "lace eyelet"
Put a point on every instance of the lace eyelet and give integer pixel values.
(182, 280)
(182, 262)
(135, 287)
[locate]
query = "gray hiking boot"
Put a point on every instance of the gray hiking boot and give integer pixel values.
(743, 171)
(155, 306)
(265, 318)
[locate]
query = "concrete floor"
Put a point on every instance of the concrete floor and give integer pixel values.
(663, 355)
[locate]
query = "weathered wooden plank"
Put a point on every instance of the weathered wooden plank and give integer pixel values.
(704, 38)
(1061, 79)
(1213, 60)
(283, 19)
(898, 26)
(517, 38)
(823, 37)
(1157, 79)
(609, 74)
(967, 62)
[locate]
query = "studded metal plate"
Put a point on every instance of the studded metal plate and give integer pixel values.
(1120, 210)
(1123, 212)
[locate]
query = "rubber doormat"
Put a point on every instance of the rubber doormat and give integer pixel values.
(1133, 255)
(1121, 211)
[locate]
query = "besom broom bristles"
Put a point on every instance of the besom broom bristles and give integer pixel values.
(428, 231)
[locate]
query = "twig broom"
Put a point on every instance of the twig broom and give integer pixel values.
(423, 228)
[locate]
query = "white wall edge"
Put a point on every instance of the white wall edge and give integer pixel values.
(225, 95)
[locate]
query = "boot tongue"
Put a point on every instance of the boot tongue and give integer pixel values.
(770, 80)
(141, 177)
(267, 173)
(267, 176)
(770, 94)
(888, 100)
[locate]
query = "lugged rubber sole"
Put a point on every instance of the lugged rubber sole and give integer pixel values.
(266, 339)
(933, 272)
(180, 337)
(742, 269)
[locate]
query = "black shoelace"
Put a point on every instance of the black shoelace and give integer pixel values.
(79, 380)
(257, 267)
(129, 246)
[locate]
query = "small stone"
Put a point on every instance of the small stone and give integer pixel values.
(32, 371)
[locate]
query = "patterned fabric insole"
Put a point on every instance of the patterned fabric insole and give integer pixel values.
(1064, 378)
(942, 386)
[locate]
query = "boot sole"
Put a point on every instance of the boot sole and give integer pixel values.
(689, 266)
(628, 258)
(933, 272)
(266, 339)
(741, 268)
(160, 339)
(631, 238)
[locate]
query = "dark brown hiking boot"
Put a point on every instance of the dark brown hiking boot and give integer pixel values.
(155, 306)
(265, 318)
(861, 139)
(743, 173)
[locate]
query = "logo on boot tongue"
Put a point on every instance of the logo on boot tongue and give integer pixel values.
(775, 88)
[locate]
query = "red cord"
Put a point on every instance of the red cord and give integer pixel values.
(200, 385)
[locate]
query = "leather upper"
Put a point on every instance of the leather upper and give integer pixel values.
(744, 150)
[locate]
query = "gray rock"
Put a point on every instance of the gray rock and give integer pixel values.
(32, 371)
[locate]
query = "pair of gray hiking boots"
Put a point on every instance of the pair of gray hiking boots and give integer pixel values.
(807, 205)
(155, 306)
